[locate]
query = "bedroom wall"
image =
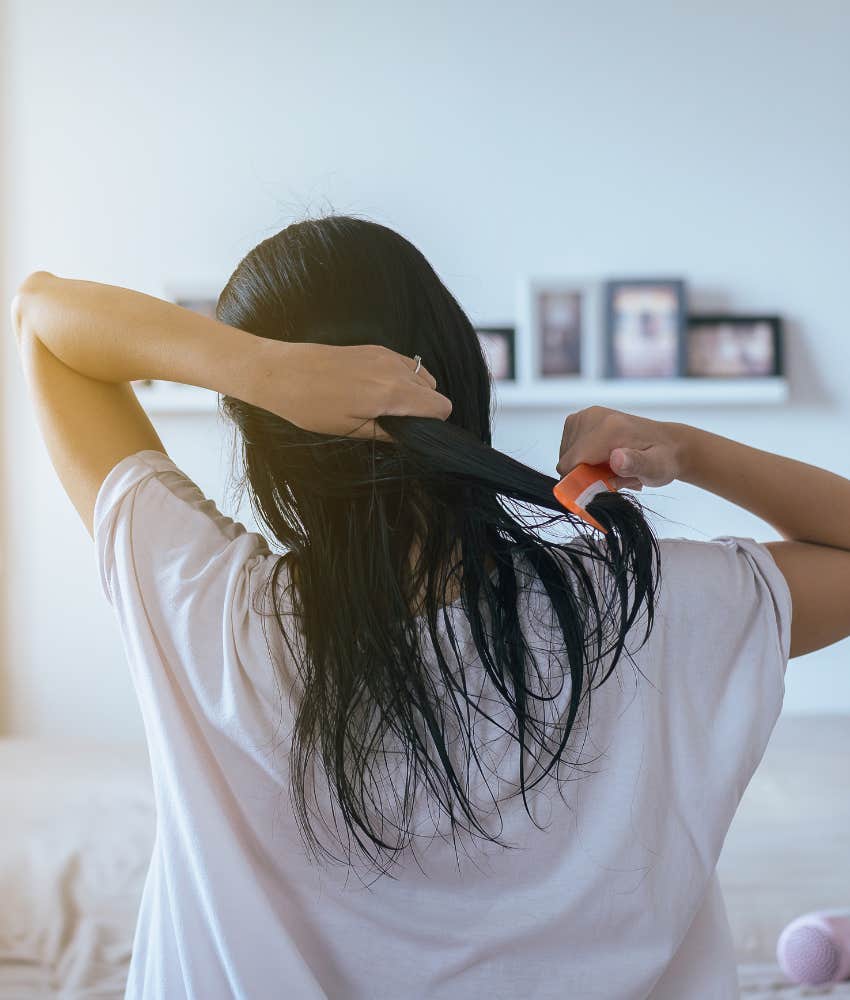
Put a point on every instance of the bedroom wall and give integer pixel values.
(151, 144)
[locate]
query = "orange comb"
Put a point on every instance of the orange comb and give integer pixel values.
(580, 485)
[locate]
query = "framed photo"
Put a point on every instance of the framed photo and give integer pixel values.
(734, 346)
(499, 344)
(558, 328)
(645, 328)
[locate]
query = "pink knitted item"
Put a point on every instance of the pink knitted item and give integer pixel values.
(815, 949)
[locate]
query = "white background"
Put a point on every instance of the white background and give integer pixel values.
(150, 144)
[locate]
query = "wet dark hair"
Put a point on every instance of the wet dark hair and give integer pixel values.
(376, 680)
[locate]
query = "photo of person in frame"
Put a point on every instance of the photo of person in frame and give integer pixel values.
(645, 328)
(498, 345)
(733, 346)
(560, 332)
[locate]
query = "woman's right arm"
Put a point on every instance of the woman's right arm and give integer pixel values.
(808, 506)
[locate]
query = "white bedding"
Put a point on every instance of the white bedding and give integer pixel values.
(76, 838)
(766, 982)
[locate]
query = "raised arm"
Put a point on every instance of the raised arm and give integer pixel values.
(806, 505)
(81, 343)
(802, 502)
(116, 334)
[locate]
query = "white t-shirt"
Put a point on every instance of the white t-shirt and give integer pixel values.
(616, 897)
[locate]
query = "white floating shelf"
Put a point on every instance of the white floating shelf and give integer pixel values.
(683, 391)
(165, 398)
(171, 397)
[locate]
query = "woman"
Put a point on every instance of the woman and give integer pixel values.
(418, 660)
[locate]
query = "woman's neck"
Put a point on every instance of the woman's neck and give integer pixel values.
(453, 584)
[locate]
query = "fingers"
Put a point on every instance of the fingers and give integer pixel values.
(414, 400)
(627, 483)
(418, 400)
(575, 455)
(425, 402)
(650, 465)
(576, 443)
(588, 435)
(376, 432)
(623, 461)
(370, 430)
(389, 389)
(423, 374)
(427, 378)
(634, 462)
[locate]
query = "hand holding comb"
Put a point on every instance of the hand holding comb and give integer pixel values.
(580, 485)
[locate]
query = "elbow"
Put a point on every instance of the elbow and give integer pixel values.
(31, 285)
(18, 317)
(35, 279)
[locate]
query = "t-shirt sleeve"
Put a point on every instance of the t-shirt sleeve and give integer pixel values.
(737, 580)
(177, 572)
(724, 620)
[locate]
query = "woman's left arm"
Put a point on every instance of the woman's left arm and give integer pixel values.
(81, 344)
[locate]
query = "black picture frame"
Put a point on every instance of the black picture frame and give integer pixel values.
(567, 357)
(678, 288)
(508, 335)
(775, 324)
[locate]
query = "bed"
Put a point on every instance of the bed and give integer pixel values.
(78, 825)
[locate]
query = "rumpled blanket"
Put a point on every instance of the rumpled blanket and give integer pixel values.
(75, 843)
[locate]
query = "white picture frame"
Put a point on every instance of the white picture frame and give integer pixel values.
(582, 297)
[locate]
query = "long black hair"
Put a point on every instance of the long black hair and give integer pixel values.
(376, 684)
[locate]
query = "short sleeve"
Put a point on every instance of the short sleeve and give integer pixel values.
(773, 595)
(736, 580)
(153, 527)
(177, 572)
(724, 620)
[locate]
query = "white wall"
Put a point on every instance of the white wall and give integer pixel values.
(160, 143)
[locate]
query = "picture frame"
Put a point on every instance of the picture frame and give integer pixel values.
(734, 346)
(499, 346)
(645, 328)
(558, 328)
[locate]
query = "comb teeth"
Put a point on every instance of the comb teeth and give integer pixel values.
(589, 492)
(580, 486)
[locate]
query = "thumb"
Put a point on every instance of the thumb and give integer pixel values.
(624, 461)
(649, 465)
